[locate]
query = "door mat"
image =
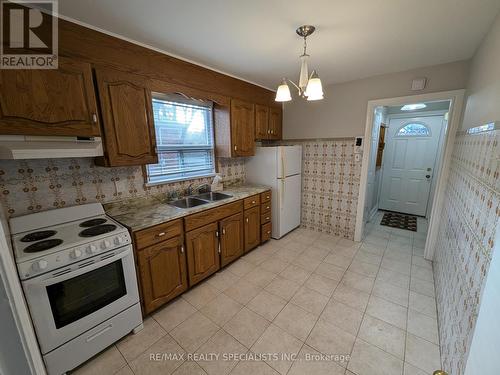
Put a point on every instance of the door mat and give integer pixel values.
(401, 221)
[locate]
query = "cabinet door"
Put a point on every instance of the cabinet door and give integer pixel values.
(275, 123)
(231, 238)
(242, 128)
(252, 228)
(202, 247)
(127, 115)
(261, 122)
(162, 270)
(49, 101)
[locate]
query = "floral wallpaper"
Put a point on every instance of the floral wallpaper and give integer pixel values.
(29, 186)
(466, 241)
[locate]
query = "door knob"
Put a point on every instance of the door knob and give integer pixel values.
(427, 176)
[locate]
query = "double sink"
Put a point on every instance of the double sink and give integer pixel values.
(198, 200)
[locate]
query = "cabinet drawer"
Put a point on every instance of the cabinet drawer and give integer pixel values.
(158, 233)
(265, 196)
(265, 217)
(209, 216)
(252, 201)
(265, 207)
(265, 232)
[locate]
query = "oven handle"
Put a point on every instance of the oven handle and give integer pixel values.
(46, 279)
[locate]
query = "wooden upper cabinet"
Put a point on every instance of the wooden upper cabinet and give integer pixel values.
(127, 114)
(261, 121)
(275, 123)
(242, 128)
(49, 102)
(231, 238)
(162, 269)
(202, 247)
(252, 228)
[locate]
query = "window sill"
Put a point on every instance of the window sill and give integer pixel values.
(173, 181)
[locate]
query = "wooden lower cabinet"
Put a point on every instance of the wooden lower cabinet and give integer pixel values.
(252, 227)
(163, 275)
(265, 232)
(202, 246)
(231, 238)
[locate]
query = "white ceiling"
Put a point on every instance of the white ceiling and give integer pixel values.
(255, 40)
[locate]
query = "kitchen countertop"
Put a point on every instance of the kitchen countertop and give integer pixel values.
(141, 213)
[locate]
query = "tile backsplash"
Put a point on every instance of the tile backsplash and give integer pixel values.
(29, 186)
(465, 242)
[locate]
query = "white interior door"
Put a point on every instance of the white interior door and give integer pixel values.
(411, 149)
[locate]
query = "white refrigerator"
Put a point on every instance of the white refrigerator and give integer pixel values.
(279, 167)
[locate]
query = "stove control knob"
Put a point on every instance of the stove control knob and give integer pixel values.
(105, 244)
(75, 254)
(119, 240)
(91, 249)
(40, 265)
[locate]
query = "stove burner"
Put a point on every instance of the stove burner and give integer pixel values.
(43, 245)
(37, 236)
(97, 230)
(92, 222)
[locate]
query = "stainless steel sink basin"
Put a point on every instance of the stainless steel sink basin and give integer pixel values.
(213, 196)
(187, 202)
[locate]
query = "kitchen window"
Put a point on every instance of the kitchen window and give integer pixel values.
(184, 139)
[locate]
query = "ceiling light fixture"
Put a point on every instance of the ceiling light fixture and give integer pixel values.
(413, 107)
(309, 86)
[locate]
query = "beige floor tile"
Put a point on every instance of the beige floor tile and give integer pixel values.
(259, 277)
(221, 344)
(396, 265)
(367, 257)
(330, 270)
(342, 316)
(243, 291)
(412, 370)
(276, 340)
(201, 294)
(306, 262)
(383, 335)
(124, 371)
(241, 267)
(393, 277)
(351, 297)
(422, 287)
(287, 254)
(387, 311)
(296, 321)
(295, 273)
(282, 287)
(422, 273)
(391, 293)
(348, 252)
(222, 280)
(267, 305)
(321, 284)
(189, 368)
(421, 262)
(256, 257)
(363, 268)
(221, 309)
(194, 331)
(144, 365)
(422, 354)
(251, 367)
(423, 326)
(338, 260)
(423, 304)
(329, 339)
(310, 300)
(357, 281)
(397, 255)
(275, 265)
(310, 362)
(107, 362)
(316, 252)
(246, 327)
(133, 345)
(367, 359)
(325, 243)
(373, 249)
(174, 313)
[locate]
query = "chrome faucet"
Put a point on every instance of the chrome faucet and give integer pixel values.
(189, 189)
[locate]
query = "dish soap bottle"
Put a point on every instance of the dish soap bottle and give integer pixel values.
(217, 183)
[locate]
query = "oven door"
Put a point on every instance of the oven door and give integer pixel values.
(68, 302)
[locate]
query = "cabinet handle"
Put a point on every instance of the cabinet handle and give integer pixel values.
(217, 234)
(182, 249)
(268, 232)
(253, 202)
(267, 218)
(219, 249)
(267, 207)
(267, 197)
(161, 234)
(223, 231)
(94, 118)
(235, 147)
(246, 220)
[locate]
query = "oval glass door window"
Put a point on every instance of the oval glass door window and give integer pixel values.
(413, 129)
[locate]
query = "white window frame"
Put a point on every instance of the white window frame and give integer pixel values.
(180, 99)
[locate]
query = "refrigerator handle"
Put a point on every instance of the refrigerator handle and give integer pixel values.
(282, 193)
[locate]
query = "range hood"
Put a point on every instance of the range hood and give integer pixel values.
(40, 147)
